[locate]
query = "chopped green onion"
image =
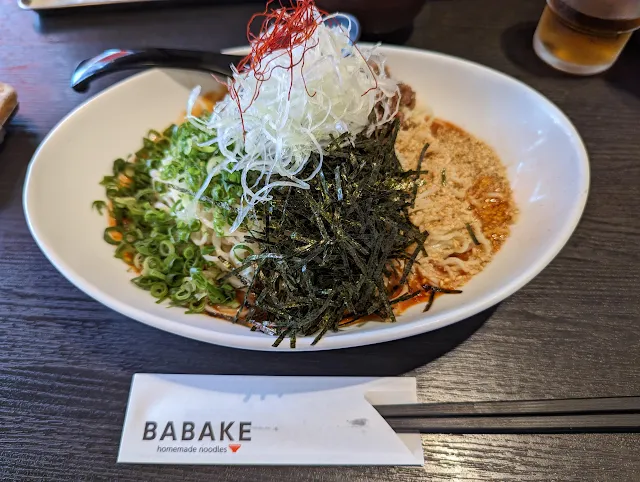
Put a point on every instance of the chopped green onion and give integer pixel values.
(208, 250)
(218, 193)
(189, 252)
(130, 237)
(148, 247)
(195, 226)
(113, 235)
(99, 206)
(166, 248)
(152, 262)
(174, 279)
(156, 273)
(138, 260)
(159, 290)
(181, 295)
(154, 136)
(197, 306)
(118, 166)
(143, 282)
(125, 249)
(157, 242)
(169, 131)
(112, 191)
(207, 149)
(242, 247)
(235, 177)
(174, 264)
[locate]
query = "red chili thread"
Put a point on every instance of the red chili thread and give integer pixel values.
(283, 28)
(375, 77)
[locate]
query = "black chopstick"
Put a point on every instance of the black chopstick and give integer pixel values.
(604, 423)
(514, 407)
(576, 415)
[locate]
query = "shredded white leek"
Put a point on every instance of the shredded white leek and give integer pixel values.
(296, 111)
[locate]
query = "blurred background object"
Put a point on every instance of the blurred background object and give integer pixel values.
(385, 20)
(52, 5)
(585, 37)
(382, 20)
(8, 104)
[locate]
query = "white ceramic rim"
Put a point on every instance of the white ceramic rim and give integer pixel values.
(351, 338)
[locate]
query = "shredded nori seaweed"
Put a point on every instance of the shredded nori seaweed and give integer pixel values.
(332, 251)
(472, 234)
(432, 290)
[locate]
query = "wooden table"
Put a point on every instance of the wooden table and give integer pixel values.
(66, 361)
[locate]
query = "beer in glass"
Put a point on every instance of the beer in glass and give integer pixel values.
(585, 37)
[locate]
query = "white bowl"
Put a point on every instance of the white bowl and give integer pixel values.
(546, 162)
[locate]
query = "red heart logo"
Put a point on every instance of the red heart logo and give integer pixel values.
(234, 447)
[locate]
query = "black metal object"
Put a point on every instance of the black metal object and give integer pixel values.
(116, 60)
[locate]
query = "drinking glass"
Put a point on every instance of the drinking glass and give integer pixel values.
(585, 37)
